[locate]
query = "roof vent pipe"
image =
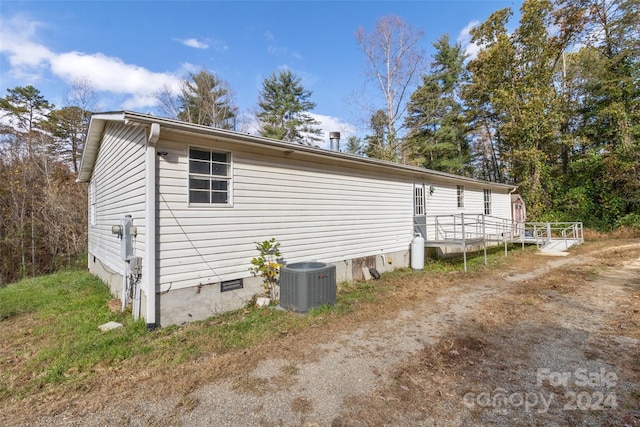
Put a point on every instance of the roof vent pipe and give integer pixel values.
(335, 141)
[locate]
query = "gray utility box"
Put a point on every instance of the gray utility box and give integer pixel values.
(305, 285)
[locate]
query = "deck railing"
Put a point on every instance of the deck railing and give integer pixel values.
(460, 230)
(455, 227)
(501, 230)
(542, 233)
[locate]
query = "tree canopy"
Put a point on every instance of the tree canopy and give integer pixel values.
(284, 106)
(42, 208)
(552, 107)
(394, 61)
(204, 99)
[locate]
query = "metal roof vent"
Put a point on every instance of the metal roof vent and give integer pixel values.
(306, 285)
(335, 141)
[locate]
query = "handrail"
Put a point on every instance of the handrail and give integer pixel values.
(545, 232)
(466, 230)
(492, 228)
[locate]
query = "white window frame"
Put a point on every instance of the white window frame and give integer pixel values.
(419, 200)
(460, 196)
(487, 201)
(210, 176)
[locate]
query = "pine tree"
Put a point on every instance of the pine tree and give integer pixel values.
(354, 146)
(284, 109)
(437, 137)
(206, 100)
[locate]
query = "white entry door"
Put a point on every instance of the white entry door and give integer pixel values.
(420, 209)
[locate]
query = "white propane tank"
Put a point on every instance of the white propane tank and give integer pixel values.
(417, 252)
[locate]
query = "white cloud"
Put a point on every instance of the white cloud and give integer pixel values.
(217, 45)
(109, 73)
(268, 35)
(140, 102)
(30, 60)
(333, 124)
(27, 58)
(274, 49)
(464, 38)
(195, 43)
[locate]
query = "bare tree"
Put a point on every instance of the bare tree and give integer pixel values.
(69, 125)
(394, 64)
(169, 102)
(82, 94)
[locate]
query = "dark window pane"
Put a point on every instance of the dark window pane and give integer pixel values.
(199, 196)
(196, 166)
(220, 157)
(219, 185)
(218, 169)
(199, 184)
(199, 154)
(219, 197)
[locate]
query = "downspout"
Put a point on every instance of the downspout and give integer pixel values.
(511, 207)
(150, 218)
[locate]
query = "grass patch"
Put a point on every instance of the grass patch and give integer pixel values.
(475, 259)
(50, 327)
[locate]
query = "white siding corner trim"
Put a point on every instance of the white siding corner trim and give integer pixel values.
(150, 207)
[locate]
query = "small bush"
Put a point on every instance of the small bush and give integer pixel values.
(631, 220)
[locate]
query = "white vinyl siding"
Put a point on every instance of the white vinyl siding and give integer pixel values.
(92, 202)
(501, 203)
(317, 211)
(118, 182)
(444, 199)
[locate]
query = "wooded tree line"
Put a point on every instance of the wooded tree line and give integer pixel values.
(552, 106)
(43, 211)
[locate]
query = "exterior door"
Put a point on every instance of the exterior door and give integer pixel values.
(518, 214)
(420, 209)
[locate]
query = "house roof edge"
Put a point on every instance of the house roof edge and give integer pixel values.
(99, 121)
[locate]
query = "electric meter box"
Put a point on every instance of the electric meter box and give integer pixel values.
(126, 242)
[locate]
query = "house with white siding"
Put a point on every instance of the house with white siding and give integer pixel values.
(193, 200)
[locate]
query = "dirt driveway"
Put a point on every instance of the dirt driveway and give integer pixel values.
(544, 341)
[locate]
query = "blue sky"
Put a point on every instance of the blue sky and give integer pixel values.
(130, 49)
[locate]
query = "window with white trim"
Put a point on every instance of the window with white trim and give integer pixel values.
(460, 194)
(418, 200)
(209, 177)
(487, 201)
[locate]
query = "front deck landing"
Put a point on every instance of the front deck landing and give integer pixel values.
(459, 243)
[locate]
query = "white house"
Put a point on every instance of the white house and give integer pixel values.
(198, 198)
